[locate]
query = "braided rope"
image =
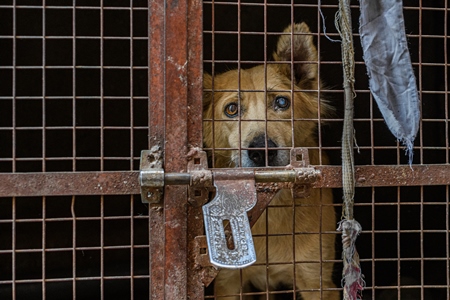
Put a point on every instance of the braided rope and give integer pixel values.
(344, 27)
(352, 279)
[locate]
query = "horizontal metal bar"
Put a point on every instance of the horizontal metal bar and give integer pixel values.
(278, 176)
(65, 183)
(229, 174)
(126, 182)
(386, 175)
(177, 178)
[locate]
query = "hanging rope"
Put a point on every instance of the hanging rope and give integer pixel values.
(352, 280)
(344, 27)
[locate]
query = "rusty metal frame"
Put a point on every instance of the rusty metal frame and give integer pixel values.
(175, 85)
(175, 90)
(127, 182)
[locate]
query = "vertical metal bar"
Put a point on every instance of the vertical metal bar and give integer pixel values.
(372, 135)
(131, 86)
(44, 33)
(266, 216)
(195, 102)
(446, 88)
(239, 80)
(43, 249)
(319, 135)
(74, 94)
(321, 245)
(266, 150)
(266, 258)
(131, 248)
(213, 59)
(74, 246)
(447, 146)
(43, 88)
(447, 243)
(195, 72)
(293, 108)
(422, 264)
(292, 79)
(102, 93)
(131, 152)
(14, 73)
(175, 197)
(420, 84)
(13, 248)
(319, 91)
(156, 92)
(102, 151)
(398, 243)
(373, 237)
(13, 233)
(102, 250)
(74, 152)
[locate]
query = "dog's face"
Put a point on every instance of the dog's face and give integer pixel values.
(259, 113)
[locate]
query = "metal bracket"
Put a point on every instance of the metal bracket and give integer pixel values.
(151, 177)
(200, 183)
(202, 261)
(304, 175)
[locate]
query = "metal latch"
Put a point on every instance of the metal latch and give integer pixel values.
(298, 176)
(227, 226)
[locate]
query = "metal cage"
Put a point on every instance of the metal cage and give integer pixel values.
(85, 85)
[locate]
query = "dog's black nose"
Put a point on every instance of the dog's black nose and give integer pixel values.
(259, 156)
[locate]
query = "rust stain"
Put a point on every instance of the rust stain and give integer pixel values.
(126, 182)
(65, 183)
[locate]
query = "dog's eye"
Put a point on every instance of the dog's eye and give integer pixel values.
(281, 103)
(231, 110)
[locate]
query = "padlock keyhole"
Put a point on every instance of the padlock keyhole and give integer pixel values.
(228, 234)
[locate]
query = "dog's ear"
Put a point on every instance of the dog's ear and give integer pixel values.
(207, 86)
(303, 49)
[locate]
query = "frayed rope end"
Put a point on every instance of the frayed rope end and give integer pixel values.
(352, 278)
(353, 283)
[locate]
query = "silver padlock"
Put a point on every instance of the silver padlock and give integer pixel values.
(230, 205)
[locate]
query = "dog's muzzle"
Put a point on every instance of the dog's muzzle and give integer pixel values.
(258, 156)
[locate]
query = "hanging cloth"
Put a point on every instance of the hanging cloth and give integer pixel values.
(388, 62)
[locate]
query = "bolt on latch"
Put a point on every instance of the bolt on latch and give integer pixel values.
(304, 174)
(298, 176)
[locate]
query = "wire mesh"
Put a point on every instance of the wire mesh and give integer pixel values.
(404, 246)
(68, 70)
(73, 98)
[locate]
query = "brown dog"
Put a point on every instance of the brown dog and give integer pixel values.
(272, 108)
